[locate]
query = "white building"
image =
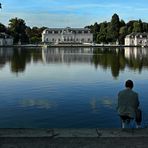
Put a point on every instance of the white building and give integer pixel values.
(136, 39)
(67, 35)
(5, 39)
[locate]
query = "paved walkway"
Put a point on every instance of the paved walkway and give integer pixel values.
(73, 138)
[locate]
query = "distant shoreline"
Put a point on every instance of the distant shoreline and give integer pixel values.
(71, 45)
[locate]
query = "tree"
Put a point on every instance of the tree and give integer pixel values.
(17, 28)
(95, 31)
(122, 23)
(145, 27)
(2, 28)
(122, 33)
(137, 27)
(113, 28)
(101, 37)
(35, 34)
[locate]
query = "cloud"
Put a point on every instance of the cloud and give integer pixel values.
(62, 13)
(49, 20)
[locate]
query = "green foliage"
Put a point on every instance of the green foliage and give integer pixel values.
(2, 28)
(35, 34)
(105, 32)
(17, 28)
(101, 35)
(137, 27)
(95, 31)
(21, 33)
(116, 29)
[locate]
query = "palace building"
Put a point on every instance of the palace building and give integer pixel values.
(136, 39)
(5, 40)
(67, 35)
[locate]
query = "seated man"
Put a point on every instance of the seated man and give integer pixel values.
(128, 103)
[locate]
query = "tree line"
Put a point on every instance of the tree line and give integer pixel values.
(18, 29)
(104, 32)
(116, 29)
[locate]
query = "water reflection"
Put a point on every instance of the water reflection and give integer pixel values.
(38, 103)
(5, 56)
(116, 59)
(136, 58)
(109, 58)
(97, 103)
(68, 55)
(107, 102)
(94, 105)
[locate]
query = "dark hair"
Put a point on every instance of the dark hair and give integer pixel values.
(129, 84)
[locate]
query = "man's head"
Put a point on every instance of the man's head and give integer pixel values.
(129, 84)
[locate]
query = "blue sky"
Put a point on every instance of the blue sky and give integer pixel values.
(73, 13)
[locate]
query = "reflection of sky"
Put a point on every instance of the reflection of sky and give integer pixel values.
(66, 93)
(62, 72)
(74, 72)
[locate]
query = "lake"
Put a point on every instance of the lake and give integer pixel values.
(68, 87)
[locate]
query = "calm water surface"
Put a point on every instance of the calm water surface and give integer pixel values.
(71, 87)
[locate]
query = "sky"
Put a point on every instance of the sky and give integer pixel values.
(71, 13)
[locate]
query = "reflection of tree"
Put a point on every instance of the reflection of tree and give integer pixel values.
(135, 64)
(23, 56)
(115, 59)
(5, 56)
(37, 56)
(19, 60)
(134, 58)
(2, 62)
(109, 58)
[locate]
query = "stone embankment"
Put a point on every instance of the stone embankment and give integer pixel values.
(74, 138)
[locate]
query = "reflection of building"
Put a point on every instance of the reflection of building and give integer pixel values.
(135, 52)
(136, 39)
(67, 35)
(5, 40)
(5, 55)
(67, 55)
